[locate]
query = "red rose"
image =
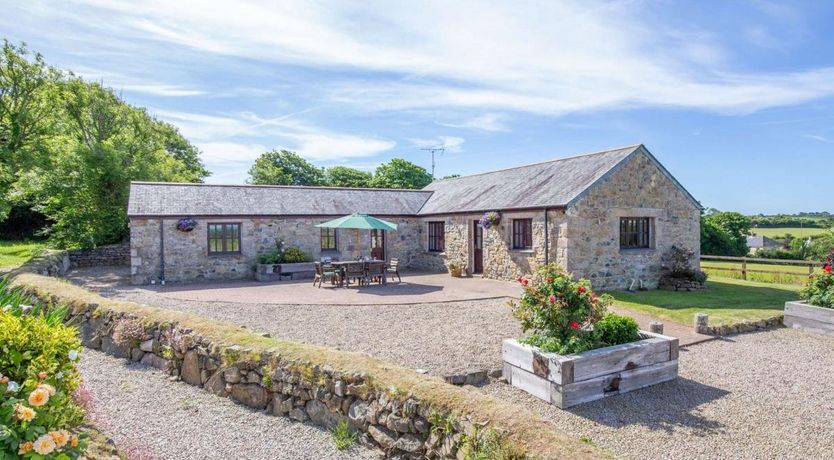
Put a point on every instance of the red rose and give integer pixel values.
(827, 269)
(574, 325)
(524, 281)
(581, 289)
(550, 280)
(518, 279)
(552, 298)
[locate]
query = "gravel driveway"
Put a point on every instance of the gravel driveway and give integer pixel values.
(441, 338)
(766, 395)
(149, 417)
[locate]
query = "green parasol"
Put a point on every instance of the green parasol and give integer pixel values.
(359, 221)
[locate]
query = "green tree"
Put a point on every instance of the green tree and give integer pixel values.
(399, 173)
(343, 176)
(724, 233)
(282, 167)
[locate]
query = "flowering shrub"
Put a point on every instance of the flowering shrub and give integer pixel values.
(561, 314)
(128, 332)
(820, 288)
(37, 378)
(186, 224)
(489, 219)
(678, 262)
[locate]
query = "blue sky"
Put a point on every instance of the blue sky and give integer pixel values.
(735, 98)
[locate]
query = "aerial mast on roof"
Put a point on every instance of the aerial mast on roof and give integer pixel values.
(439, 149)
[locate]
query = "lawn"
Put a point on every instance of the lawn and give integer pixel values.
(15, 253)
(801, 276)
(725, 300)
(799, 232)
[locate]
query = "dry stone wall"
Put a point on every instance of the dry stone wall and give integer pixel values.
(110, 255)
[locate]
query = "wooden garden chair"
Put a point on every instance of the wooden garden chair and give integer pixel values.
(394, 270)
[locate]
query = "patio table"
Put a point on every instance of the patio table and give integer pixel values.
(344, 263)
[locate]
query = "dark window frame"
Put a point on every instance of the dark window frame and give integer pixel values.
(224, 239)
(522, 234)
(437, 236)
(326, 237)
(636, 233)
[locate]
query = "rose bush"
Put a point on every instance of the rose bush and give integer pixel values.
(560, 314)
(820, 288)
(38, 376)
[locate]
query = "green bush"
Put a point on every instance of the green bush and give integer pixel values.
(559, 313)
(294, 255)
(37, 378)
(616, 329)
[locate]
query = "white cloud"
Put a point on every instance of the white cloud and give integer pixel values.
(546, 57)
(451, 144)
(486, 122)
(219, 153)
(819, 138)
(133, 84)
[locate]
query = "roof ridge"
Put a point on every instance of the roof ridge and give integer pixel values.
(303, 187)
(586, 154)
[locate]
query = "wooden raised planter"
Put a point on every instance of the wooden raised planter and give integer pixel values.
(800, 315)
(566, 381)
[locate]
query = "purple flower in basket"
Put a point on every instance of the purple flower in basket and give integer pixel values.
(186, 224)
(489, 219)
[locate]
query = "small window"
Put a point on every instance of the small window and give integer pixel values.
(635, 232)
(522, 233)
(328, 239)
(437, 236)
(223, 238)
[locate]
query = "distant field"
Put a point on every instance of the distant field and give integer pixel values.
(16, 253)
(800, 276)
(798, 232)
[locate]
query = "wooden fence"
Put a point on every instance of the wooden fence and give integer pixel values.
(744, 261)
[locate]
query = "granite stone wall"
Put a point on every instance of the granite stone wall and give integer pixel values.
(110, 255)
(187, 258)
(638, 189)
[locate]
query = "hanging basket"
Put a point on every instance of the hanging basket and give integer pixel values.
(186, 225)
(489, 219)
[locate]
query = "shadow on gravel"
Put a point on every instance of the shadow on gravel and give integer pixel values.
(665, 406)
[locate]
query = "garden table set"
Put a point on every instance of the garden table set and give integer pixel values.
(361, 272)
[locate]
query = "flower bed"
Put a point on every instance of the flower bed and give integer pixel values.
(38, 417)
(816, 312)
(576, 352)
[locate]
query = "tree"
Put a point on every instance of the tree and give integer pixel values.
(724, 233)
(343, 176)
(282, 167)
(399, 173)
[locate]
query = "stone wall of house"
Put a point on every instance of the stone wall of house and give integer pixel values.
(110, 255)
(186, 254)
(638, 189)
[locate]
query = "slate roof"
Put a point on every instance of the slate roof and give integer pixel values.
(551, 184)
(174, 199)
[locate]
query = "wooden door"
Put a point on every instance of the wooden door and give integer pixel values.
(378, 244)
(477, 248)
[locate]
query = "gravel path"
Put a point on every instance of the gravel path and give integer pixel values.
(441, 338)
(150, 417)
(754, 396)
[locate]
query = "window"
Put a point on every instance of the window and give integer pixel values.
(522, 233)
(328, 239)
(437, 236)
(635, 232)
(223, 238)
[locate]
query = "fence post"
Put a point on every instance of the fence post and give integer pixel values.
(744, 268)
(810, 270)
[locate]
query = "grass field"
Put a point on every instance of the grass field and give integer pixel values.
(725, 300)
(797, 232)
(15, 253)
(800, 277)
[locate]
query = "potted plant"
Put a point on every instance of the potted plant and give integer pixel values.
(456, 268)
(186, 224)
(815, 312)
(489, 219)
(575, 351)
(679, 273)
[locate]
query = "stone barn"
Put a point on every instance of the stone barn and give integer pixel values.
(609, 216)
